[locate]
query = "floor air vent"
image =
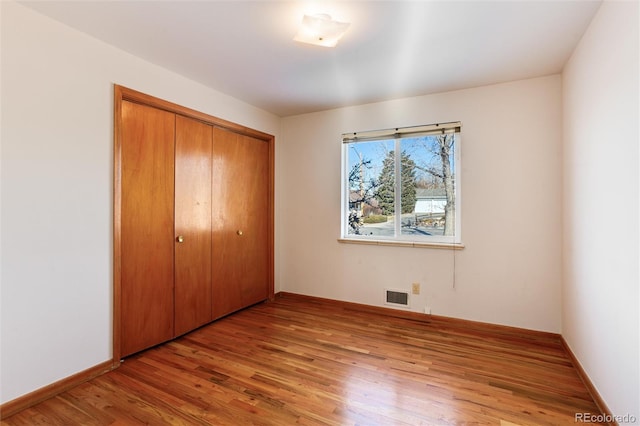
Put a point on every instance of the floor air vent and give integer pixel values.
(397, 298)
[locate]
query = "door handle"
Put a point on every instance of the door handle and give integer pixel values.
(239, 232)
(180, 239)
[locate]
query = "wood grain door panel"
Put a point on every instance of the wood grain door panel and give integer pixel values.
(254, 157)
(240, 221)
(193, 224)
(227, 265)
(147, 155)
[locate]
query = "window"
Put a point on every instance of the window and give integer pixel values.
(413, 196)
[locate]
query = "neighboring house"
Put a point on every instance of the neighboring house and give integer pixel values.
(369, 205)
(430, 200)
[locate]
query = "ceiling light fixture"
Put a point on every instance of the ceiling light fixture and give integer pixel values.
(321, 30)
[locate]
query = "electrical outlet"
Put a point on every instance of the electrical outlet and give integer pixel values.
(415, 288)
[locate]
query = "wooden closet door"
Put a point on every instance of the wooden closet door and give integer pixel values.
(193, 224)
(254, 220)
(147, 160)
(240, 221)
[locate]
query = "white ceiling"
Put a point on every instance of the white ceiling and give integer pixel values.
(393, 49)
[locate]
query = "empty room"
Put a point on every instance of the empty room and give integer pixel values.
(320, 213)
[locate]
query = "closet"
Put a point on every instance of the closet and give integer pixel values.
(193, 220)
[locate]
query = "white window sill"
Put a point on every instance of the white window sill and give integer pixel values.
(448, 246)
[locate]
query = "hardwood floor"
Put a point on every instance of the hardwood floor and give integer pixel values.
(299, 361)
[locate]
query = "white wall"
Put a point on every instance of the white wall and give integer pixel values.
(600, 293)
(510, 271)
(56, 190)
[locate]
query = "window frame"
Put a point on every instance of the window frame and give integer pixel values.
(398, 134)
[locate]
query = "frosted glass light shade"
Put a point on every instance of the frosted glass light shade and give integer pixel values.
(321, 30)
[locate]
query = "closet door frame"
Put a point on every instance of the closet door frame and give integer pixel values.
(121, 94)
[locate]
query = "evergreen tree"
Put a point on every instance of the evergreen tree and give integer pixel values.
(386, 188)
(408, 176)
